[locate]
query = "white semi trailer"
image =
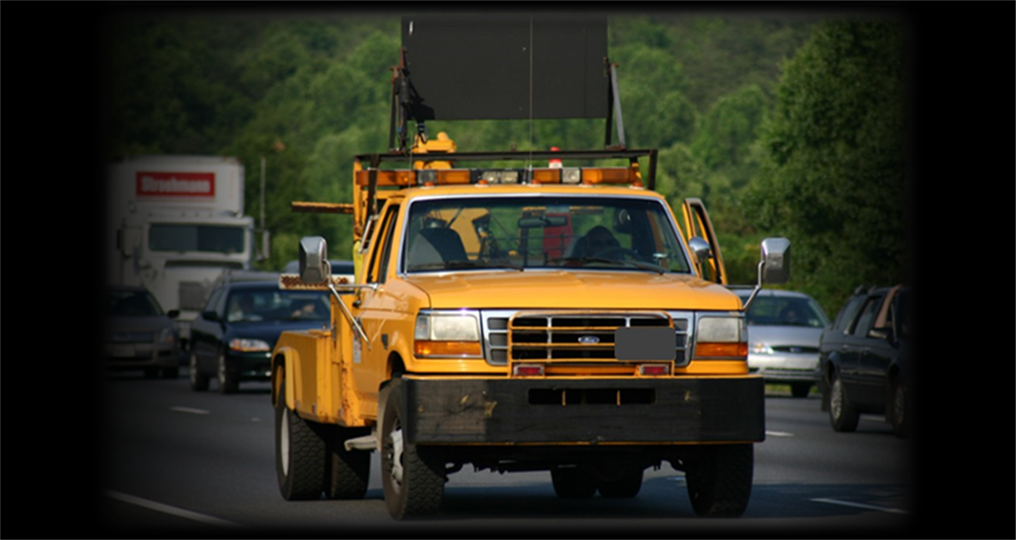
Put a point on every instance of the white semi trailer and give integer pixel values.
(175, 222)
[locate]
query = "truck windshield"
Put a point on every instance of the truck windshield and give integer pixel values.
(542, 232)
(210, 238)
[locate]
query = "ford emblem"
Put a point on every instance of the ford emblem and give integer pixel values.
(589, 340)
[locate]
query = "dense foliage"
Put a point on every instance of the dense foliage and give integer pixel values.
(784, 126)
(832, 177)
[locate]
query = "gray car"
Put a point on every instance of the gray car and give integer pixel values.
(784, 328)
(139, 334)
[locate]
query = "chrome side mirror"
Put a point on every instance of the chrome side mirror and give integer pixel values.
(700, 248)
(775, 261)
(314, 265)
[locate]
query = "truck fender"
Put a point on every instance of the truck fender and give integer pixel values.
(284, 362)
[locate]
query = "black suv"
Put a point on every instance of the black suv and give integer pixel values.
(863, 360)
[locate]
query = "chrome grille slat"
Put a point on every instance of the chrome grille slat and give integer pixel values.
(555, 336)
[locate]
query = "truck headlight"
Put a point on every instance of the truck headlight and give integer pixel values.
(249, 345)
(721, 337)
(453, 334)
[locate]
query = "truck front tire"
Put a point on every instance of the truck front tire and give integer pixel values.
(719, 479)
(413, 476)
(620, 481)
(299, 454)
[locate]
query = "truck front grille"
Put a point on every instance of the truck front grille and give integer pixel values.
(563, 336)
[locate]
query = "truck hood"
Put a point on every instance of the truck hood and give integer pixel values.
(573, 290)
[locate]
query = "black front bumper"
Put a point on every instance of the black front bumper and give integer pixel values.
(589, 411)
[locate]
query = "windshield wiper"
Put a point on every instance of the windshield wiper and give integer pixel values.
(453, 265)
(638, 264)
(480, 264)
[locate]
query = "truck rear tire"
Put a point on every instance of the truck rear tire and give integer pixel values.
(412, 476)
(299, 454)
(842, 415)
(574, 482)
(719, 479)
(348, 470)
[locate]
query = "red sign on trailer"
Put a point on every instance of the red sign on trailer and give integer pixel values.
(175, 184)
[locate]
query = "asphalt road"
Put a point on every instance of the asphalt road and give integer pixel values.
(179, 463)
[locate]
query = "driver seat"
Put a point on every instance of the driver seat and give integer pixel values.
(436, 245)
(587, 245)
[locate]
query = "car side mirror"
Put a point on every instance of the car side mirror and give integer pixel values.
(173, 313)
(209, 315)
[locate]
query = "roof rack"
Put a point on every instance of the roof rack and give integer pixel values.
(432, 168)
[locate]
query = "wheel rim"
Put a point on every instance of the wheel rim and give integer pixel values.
(836, 399)
(284, 441)
(222, 370)
(394, 450)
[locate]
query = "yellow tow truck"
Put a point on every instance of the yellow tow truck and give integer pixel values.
(519, 318)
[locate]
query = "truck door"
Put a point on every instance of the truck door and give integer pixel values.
(696, 223)
(375, 306)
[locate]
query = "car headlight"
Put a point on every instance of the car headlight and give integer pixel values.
(721, 337)
(761, 347)
(249, 345)
(454, 334)
(167, 336)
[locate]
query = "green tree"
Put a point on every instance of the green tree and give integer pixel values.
(727, 133)
(311, 108)
(833, 170)
(168, 85)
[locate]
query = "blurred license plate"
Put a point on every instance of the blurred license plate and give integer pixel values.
(645, 343)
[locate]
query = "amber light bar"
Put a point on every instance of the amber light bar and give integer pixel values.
(543, 175)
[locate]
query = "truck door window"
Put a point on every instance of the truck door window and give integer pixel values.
(382, 250)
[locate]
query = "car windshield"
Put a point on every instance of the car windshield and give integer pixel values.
(248, 305)
(132, 304)
(520, 233)
(786, 311)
